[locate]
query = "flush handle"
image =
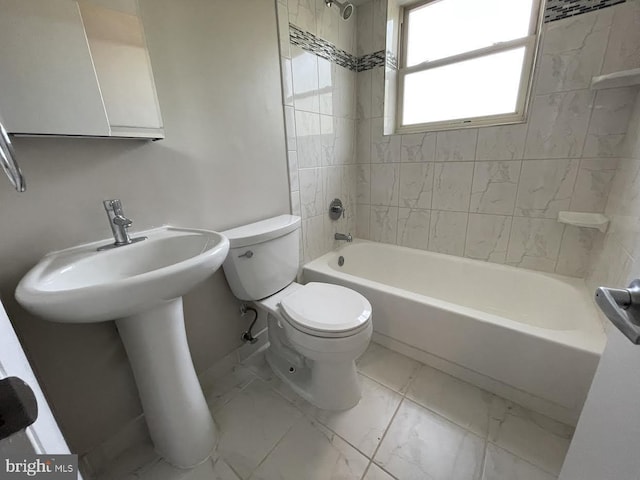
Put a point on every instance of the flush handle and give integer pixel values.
(247, 254)
(622, 308)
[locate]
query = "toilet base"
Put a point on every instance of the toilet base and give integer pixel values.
(326, 385)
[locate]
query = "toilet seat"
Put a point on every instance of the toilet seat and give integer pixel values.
(326, 310)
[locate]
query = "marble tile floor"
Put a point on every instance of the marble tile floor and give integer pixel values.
(413, 422)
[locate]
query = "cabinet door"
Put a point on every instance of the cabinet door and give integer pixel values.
(121, 60)
(48, 84)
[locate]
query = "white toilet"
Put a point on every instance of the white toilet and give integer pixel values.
(316, 331)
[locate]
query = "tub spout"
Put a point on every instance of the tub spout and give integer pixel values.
(342, 236)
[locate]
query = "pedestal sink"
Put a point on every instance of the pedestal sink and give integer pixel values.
(140, 286)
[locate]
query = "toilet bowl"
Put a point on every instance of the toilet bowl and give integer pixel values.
(316, 331)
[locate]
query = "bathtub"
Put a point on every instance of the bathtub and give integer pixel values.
(534, 338)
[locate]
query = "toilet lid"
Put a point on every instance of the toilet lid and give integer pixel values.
(326, 308)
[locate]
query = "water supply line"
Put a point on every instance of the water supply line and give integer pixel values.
(247, 337)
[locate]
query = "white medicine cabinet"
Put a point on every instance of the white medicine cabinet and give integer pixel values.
(76, 68)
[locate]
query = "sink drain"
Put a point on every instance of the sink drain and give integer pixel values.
(340, 261)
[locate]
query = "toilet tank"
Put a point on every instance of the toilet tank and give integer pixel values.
(263, 256)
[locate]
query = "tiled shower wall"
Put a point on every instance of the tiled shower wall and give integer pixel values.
(494, 193)
(319, 97)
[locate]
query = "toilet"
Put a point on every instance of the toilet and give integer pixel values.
(316, 331)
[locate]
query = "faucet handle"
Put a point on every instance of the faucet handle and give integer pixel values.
(122, 221)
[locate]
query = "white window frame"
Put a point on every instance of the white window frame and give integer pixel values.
(531, 42)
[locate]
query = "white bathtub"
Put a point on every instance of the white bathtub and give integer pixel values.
(533, 337)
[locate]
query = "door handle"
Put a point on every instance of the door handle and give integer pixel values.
(18, 406)
(622, 308)
(9, 162)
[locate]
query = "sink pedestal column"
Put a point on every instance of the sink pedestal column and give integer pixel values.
(174, 406)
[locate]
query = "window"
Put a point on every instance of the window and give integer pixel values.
(466, 63)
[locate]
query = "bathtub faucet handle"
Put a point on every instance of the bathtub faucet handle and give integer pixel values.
(622, 307)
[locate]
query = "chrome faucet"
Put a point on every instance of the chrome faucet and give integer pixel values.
(342, 236)
(119, 225)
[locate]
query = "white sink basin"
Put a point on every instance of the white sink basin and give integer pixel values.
(140, 286)
(82, 285)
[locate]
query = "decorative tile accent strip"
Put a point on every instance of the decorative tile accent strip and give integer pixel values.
(371, 60)
(309, 42)
(392, 60)
(559, 9)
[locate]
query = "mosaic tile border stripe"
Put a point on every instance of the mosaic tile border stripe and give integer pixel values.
(371, 60)
(559, 9)
(555, 10)
(322, 48)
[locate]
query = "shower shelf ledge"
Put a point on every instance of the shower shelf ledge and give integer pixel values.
(623, 78)
(585, 220)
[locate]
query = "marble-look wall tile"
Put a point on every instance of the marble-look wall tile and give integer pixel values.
(593, 184)
(488, 237)
(338, 136)
(495, 185)
(347, 31)
(362, 221)
(363, 141)
(385, 184)
(413, 228)
(419, 147)
(283, 29)
(302, 13)
(558, 124)
(313, 241)
(327, 140)
(308, 139)
(572, 52)
(456, 145)
(534, 243)
(287, 81)
(575, 250)
(349, 190)
(416, 185)
(452, 186)
(378, 39)
(364, 28)
(290, 128)
(384, 148)
(623, 49)
(363, 183)
(363, 91)
(345, 147)
(311, 191)
(305, 80)
(294, 183)
(326, 86)
(501, 143)
(294, 198)
(377, 92)
(447, 232)
(383, 226)
(546, 187)
(332, 186)
(327, 22)
(609, 121)
(344, 92)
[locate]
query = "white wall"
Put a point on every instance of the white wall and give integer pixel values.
(223, 163)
